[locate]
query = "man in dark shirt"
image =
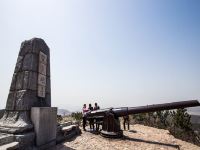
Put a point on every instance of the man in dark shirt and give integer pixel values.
(91, 121)
(96, 107)
(97, 120)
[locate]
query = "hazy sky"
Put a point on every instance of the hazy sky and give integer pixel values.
(114, 52)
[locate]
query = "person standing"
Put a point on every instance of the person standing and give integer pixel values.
(126, 120)
(91, 120)
(97, 120)
(84, 112)
(96, 107)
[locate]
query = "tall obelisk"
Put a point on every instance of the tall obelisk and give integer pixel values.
(30, 86)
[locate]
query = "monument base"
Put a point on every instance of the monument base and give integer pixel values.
(15, 122)
(45, 126)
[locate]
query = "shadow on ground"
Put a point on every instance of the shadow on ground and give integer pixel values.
(62, 147)
(151, 142)
(133, 131)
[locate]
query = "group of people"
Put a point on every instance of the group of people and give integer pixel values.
(87, 110)
(91, 120)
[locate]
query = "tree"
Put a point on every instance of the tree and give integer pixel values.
(139, 118)
(181, 119)
(162, 117)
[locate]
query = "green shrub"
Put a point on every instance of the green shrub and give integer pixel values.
(77, 116)
(181, 119)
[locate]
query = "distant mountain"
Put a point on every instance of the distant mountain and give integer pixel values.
(63, 112)
(194, 111)
(195, 119)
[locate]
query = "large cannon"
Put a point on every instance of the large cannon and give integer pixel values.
(110, 116)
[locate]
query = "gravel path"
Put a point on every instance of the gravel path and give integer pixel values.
(139, 137)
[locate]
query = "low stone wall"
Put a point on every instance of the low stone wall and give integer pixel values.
(1, 113)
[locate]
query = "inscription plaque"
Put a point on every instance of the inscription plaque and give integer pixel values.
(41, 91)
(42, 68)
(42, 74)
(41, 79)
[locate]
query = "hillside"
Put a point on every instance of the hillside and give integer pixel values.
(195, 119)
(138, 138)
(63, 112)
(194, 111)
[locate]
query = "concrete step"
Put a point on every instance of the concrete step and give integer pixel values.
(67, 133)
(6, 138)
(10, 146)
(68, 123)
(69, 128)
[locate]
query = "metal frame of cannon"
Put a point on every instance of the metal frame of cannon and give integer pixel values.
(111, 125)
(110, 116)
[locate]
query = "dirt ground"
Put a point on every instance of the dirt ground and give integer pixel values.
(139, 137)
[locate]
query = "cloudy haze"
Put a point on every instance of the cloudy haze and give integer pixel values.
(116, 53)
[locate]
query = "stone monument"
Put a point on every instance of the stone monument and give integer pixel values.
(29, 122)
(30, 87)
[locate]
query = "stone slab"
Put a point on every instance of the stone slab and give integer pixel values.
(6, 138)
(39, 45)
(26, 47)
(10, 146)
(68, 123)
(26, 139)
(18, 66)
(13, 83)
(51, 144)
(10, 101)
(45, 124)
(30, 80)
(30, 62)
(48, 100)
(48, 86)
(68, 128)
(19, 82)
(25, 99)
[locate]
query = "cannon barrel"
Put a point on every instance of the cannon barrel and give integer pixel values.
(156, 107)
(123, 111)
